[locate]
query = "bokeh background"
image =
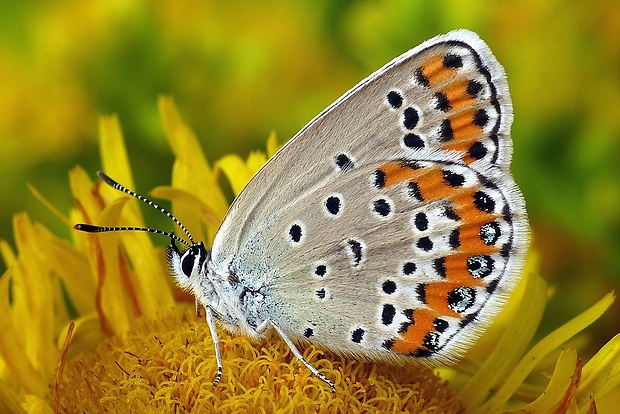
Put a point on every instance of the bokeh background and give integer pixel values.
(239, 70)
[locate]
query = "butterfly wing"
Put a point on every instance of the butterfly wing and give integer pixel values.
(390, 224)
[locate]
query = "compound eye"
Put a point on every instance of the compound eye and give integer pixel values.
(187, 263)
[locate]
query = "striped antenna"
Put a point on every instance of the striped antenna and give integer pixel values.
(89, 228)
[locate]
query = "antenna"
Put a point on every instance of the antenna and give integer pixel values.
(89, 228)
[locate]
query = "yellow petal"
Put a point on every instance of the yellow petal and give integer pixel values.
(601, 374)
(236, 171)
(13, 347)
(505, 354)
(272, 144)
(114, 157)
(191, 169)
(564, 377)
(547, 345)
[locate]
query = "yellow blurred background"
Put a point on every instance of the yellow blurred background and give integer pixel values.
(239, 70)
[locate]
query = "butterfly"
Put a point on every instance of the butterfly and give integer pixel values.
(388, 229)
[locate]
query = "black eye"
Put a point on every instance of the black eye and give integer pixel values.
(187, 263)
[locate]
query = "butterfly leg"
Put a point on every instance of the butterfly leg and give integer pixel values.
(299, 356)
(216, 344)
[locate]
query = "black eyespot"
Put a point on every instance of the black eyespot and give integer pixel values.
(453, 179)
(382, 207)
(452, 61)
(421, 221)
(484, 202)
(490, 233)
(413, 141)
(425, 243)
(333, 204)
(461, 299)
(388, 313)
(295, 233)
(443, 104)
(320, 270)
(344, 162)
(477, 150)
(446, 133)
(473, 88)
(389, 287)
(357, 335)
(411, 118)
(480, 266)
(395, 99)
(409, 268)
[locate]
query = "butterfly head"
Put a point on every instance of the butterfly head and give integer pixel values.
(188, 267)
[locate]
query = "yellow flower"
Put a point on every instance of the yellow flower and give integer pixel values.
(96, 324)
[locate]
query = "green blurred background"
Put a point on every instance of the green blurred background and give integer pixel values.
(239, 70)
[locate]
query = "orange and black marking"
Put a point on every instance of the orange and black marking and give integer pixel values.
(466, 271)
(458, 95)
(438, 69)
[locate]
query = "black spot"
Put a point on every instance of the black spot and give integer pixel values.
(431, 341)
(461, 299)
(389, 287)
(473, 88)
(420, 290)
(445, 131)
(477, 150)
(388, 344)
(358, 335)
(492, 286)
(409, 268)
(490, 233)
(483, 202)
(439, 265)
(413, 190)
(425, 244)
(411, 118)
(405, 325)
(443, 104)
(420, 78)
(440, 325)
(468, 319)
(343, 162)
(395, 99)
(414, 165)
(356, 250)
(452, 61)
(413, 141)
(421, 221)
(481, 118)
(379, 179)
(308, 332)
(387, 315)
(453, 179)
(320, 270)
(320, 293)
(451, 214)
(332, 204)
(295, 233)
(421, 353)
(382, 207)
(454, 239)
(408, 314)
(480, 266)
